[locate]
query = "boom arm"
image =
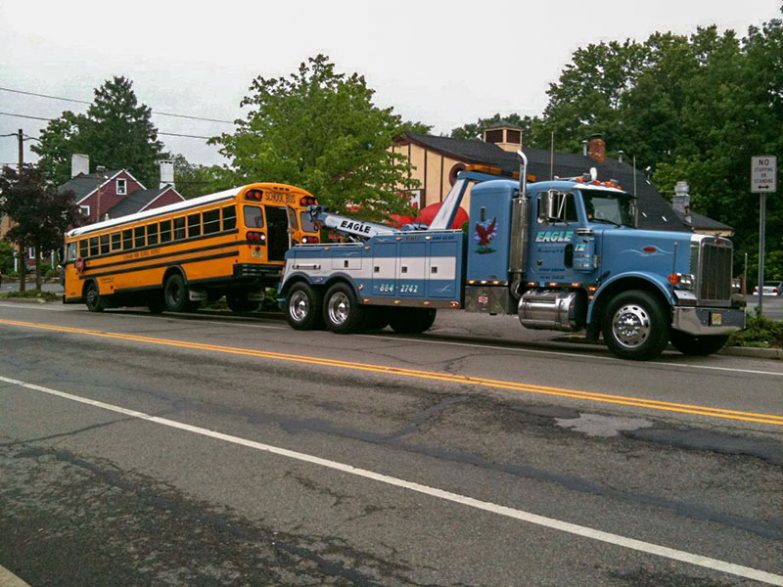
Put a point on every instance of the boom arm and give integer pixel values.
(347, 225)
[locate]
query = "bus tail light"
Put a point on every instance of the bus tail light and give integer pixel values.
(256, 238)
(309, 240)
(256, 195)
(308, 201)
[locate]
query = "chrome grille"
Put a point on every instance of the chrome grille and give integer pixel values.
(715, 272)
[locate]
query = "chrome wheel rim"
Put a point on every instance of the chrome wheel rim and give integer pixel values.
(631, 325)
(339, 307)
(299, 306)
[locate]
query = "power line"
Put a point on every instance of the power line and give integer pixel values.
(75, 101)
(160, 132)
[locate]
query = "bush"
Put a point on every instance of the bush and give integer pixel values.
(759, 332)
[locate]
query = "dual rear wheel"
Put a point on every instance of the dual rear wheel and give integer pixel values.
(340, 311)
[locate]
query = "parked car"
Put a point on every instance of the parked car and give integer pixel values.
(771, 288)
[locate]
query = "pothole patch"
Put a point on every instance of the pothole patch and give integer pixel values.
(603, 426)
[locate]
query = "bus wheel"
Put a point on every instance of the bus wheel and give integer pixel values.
(175, 294)
(155, 302)
(92, 298)
(304, 307)
(377, 317)
(698, 346)
(412, 320)
(238, 302)
(342, 311)
(635, 326)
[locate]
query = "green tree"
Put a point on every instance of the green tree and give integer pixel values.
(320, 130)
(194, 180)
(116, 132)
(38, 212)
(474, 130)
(6, 257)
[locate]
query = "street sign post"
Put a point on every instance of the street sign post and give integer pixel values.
(763, 181)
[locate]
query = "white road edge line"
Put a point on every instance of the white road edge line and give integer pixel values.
(575, 529)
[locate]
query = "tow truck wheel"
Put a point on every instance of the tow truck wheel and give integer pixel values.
(698, 346)
(635, 326)
(304, 307)
(342, 311)
(412, 320)
(93, 299)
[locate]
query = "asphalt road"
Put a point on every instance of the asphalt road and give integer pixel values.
(205, 450)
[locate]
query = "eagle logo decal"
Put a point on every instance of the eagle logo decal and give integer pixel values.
(485, 232)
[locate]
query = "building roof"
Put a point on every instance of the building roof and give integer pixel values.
(702, 222)
(84, 184)
(656, 212)
(136, 201)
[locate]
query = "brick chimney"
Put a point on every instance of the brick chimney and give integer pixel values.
(596, 148)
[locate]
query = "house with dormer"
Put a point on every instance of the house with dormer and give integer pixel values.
(113, 193)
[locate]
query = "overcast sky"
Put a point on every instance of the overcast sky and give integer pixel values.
(443, 63)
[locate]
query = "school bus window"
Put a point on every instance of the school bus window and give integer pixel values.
(83, 248)
(211, 221)
(179, 229)
(127, 240)
(152, 234)
(104, 244)
(94, 246)
(253, 217)
(194, 225)
(165, 231)
(138, 237)
(229, 218)
(71, 252)
(307, 222)
(115, 241)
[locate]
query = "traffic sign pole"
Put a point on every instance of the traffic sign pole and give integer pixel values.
(762, 248)
(763, 180)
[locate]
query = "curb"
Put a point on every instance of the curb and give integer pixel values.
(8, 579)
(755, 353)
(27, 300)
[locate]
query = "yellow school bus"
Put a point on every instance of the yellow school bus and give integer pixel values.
(172, 258)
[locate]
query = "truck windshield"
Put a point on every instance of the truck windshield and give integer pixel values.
(608, 207)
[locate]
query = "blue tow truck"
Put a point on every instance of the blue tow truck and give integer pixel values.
(562, 255)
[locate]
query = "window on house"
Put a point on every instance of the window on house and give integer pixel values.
(104, 244)
(127, 240)
(179, 229)
(85, 210)
(122, 187)
(229, 218)
(165, 231)
(211, 221)
(152, 234)
(194, 225)
(138, 237)
(514, 136)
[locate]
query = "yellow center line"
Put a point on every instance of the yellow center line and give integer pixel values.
(761, 418)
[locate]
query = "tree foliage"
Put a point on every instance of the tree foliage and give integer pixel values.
(193, 180)
(475, 130)
(38, 212)
(691, 107)
(319, 129)
(116, 132)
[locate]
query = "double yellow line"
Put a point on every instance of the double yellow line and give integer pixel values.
(760, 418)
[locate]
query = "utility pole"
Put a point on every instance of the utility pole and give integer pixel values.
(22, 252)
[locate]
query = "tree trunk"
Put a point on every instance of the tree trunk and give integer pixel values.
(22, 267)
(37, 250)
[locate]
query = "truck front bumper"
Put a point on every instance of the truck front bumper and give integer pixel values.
(707, 321)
